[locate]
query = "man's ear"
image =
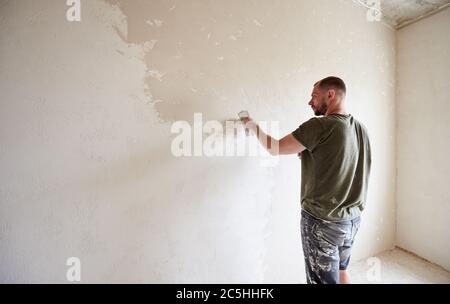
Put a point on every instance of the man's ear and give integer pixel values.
(331, 94)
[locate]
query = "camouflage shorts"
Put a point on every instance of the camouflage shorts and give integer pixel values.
(326, 247)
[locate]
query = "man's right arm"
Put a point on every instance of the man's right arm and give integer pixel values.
(285, 146)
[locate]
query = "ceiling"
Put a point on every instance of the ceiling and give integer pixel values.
(399, 13)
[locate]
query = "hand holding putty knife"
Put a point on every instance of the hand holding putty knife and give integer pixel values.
(245, 117)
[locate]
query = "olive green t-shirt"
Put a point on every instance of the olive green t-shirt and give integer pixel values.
(335, 166)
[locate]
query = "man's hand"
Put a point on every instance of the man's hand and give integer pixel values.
(246, 119)
(250, 123)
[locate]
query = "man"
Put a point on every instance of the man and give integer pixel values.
(336, 159)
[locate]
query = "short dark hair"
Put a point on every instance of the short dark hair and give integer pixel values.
(332, 82)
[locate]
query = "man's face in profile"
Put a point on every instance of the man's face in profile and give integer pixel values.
(318, 101)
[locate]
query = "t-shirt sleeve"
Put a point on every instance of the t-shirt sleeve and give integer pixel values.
(309, 133)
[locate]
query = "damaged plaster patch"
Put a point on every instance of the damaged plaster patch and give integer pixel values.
(141, 49)
(155, 74)
(149, 45)
(155, 22)
(190, 49)
(133, 34)
(257, 23)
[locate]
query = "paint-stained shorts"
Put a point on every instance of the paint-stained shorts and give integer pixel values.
(326, 247)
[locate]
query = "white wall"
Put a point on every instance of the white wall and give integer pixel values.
(86, 166)
(423, 138)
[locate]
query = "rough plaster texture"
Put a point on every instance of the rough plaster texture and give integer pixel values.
(399, 13)
(423, 138)
(86, 111)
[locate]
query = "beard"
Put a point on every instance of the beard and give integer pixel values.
(321, 109)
